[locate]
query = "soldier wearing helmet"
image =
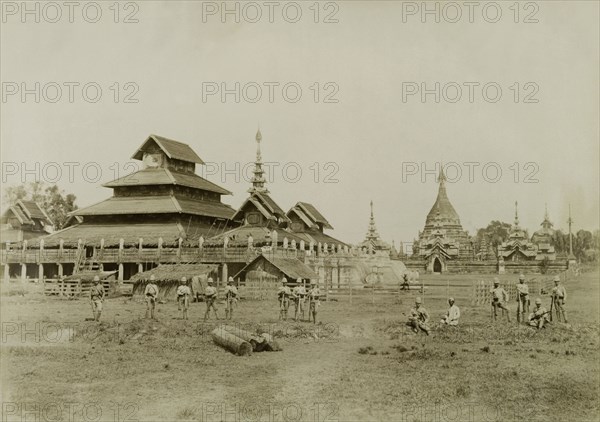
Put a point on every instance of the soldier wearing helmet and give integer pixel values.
(499, 299)
(314, 300)
(231, 295)
(522, 298)
(559, 297)
(210, 296)
(539, 316)
(96, 298)
(419, 317)
(183, 297)
(283, 295)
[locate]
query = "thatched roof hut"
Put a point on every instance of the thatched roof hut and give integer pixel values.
(167, 276)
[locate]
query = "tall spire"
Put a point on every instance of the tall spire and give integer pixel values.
(570, 221)
(516, 215)
(372, 230)
(258, 180)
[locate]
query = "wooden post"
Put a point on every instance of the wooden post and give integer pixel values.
(6, 273)
(120, 276)
(23, 272)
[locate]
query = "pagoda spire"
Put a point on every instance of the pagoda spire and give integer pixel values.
(372, 230)
(258, 180)
(516, 215)
(570, 222)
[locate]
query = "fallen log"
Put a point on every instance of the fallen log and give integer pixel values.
(232, 343)
(262, 342)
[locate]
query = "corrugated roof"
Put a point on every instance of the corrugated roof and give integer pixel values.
(157, 205)
(173, 149)
(163, 176)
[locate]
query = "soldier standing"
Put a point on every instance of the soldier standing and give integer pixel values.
(210, 296)
(522, 299)
(419, 317)
(283, 294)
(183, 297)
(499, 298)
(96, 298)
(539, 316)
(299, 296)
(151, 292)
(314, 296)
(559, 297)
(231, 294)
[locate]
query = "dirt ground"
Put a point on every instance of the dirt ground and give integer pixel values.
(360, 363)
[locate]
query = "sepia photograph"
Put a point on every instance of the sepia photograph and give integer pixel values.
(300, 211)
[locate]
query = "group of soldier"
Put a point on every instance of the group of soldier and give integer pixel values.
(540, 315)
(184, 294)
(299, 296)
(418, 318)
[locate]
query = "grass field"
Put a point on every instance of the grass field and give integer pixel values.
(360, 363)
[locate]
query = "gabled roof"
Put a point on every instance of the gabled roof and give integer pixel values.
(163, 176)
(312, 213)
(156, 205)
(291, 267)
(265, 204)
(33, 210)
(27, 211)
(173, 149)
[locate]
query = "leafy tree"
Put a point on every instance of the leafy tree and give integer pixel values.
(52, 199)
(495, 233)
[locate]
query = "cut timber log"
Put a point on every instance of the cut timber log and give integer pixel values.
(262, 342)
(230, 342)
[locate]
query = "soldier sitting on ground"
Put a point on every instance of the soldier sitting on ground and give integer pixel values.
(453, 314)
(539, 316)
(419, 318)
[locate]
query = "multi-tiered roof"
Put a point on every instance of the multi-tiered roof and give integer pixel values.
(165, 199)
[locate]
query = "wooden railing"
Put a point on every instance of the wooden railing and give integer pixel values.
(183, 254)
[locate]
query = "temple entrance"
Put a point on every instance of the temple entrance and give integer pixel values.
(437, 265)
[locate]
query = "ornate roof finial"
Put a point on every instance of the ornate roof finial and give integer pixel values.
(258, 180)
(516, 214)
(372, 230)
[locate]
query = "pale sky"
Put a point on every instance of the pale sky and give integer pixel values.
(374, 53)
